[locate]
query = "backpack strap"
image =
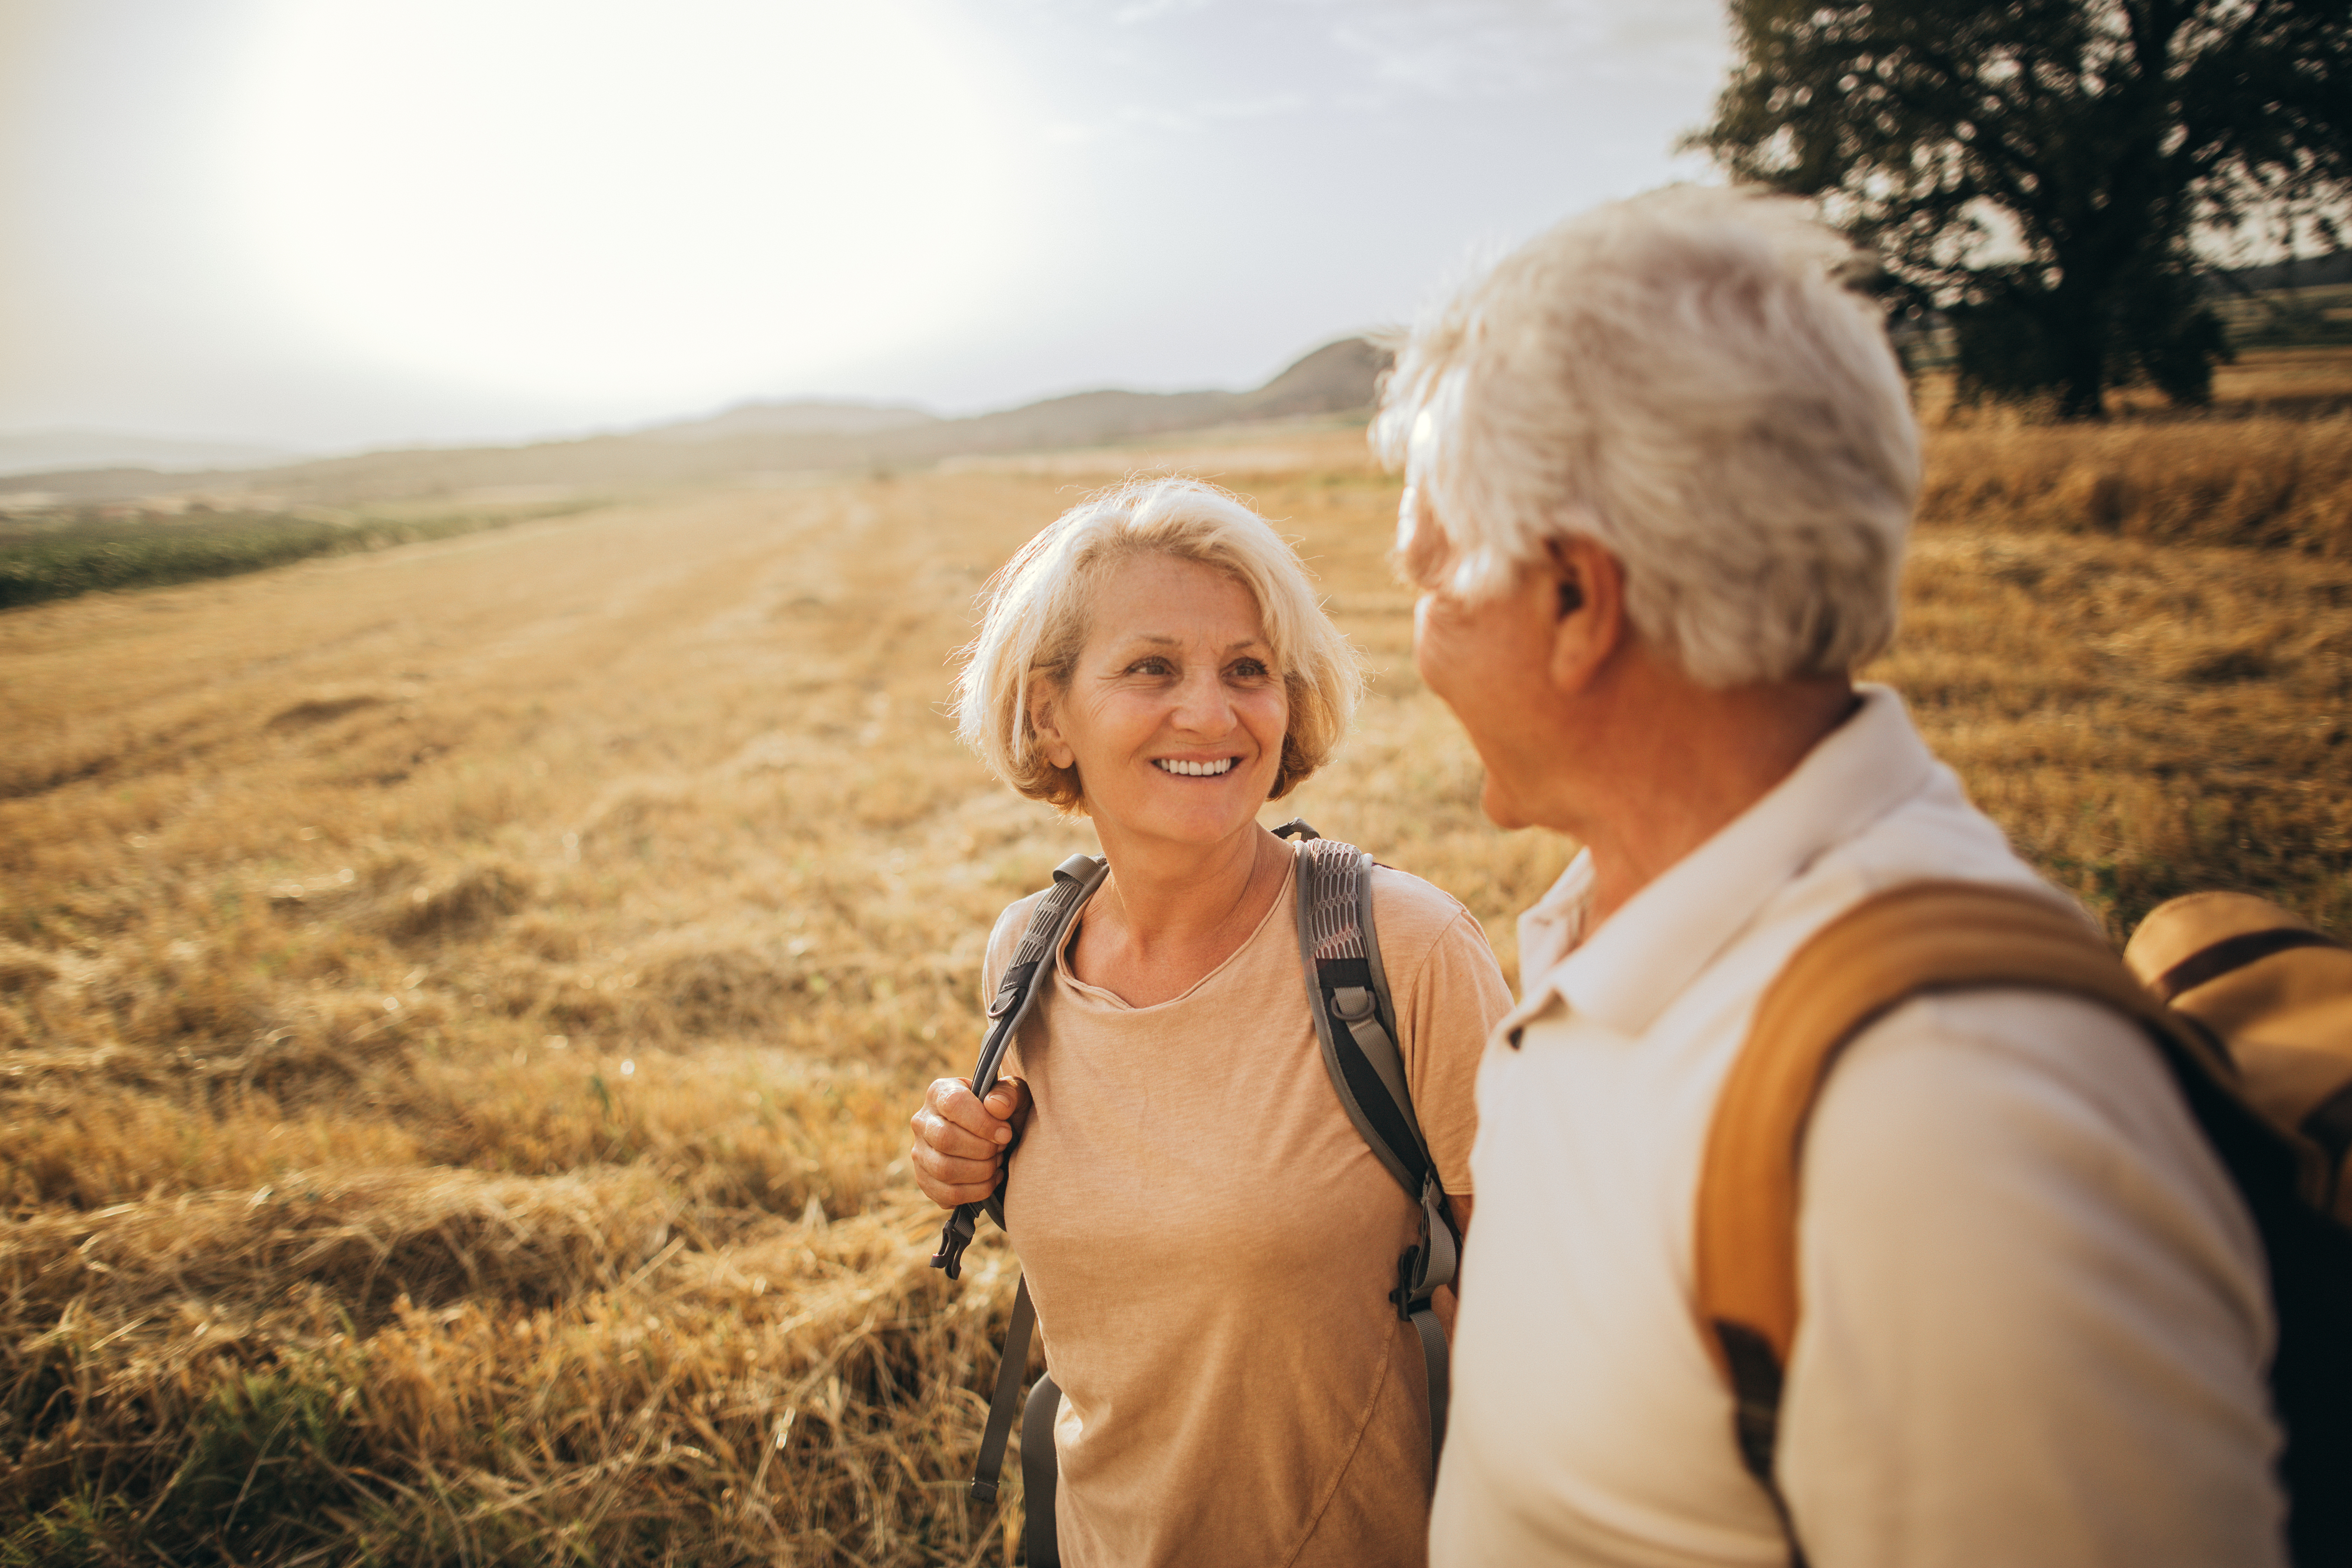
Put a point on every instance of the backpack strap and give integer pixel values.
(1355, 1022)
(1938, 937)
(1011, 1363)
(1920, 938)
(1016, 991)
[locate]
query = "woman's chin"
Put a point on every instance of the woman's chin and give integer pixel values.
(1210, 818)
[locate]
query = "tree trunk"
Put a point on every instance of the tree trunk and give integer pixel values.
(2076, 326)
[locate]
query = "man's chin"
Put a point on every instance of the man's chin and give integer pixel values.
(1500, 809)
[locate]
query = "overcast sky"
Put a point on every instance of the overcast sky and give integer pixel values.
(332, 222)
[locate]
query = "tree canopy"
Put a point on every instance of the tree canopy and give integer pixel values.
(2039, 169)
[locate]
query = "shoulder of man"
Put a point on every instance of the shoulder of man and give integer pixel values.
(2011, 1221)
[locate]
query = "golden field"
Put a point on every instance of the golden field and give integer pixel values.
(460, 1005)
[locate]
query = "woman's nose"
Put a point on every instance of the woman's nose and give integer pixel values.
(1202, 704)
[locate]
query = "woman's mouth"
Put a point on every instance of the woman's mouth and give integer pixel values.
(1194, 770)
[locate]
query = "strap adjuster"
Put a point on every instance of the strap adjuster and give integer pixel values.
(1409, 1296)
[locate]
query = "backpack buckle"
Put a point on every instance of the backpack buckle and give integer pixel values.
(1411, 1293)
(954, 1236)
(1414, 1287)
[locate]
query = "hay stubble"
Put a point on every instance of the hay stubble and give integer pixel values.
(458, 1005)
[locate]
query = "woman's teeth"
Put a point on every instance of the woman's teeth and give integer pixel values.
(1195, 770)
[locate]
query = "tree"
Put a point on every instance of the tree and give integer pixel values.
(2039, 169)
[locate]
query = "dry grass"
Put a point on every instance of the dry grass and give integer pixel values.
(458, 1005)
(2299, 383)
(2268, 482)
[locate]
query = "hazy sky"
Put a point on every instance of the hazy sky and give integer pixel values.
(329, 223)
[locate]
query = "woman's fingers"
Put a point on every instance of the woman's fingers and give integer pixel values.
(950, 1182)
(960, 1141)
(1008, 1102)
(954, 1122)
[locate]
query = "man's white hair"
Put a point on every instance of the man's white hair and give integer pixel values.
(1686, 380)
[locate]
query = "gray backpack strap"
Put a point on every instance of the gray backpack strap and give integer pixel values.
(1355, 1021)
(1016, 992)
(1075, 880)
(1041, 1475)
(1040, 1472)
(1014, 1361)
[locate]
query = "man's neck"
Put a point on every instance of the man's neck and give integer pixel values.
(1676, 763)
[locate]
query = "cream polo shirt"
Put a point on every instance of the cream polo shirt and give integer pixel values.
(2035, 1319)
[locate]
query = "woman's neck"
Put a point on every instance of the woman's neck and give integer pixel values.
(1169, 914)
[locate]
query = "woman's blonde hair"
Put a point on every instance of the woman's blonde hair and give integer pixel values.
(1036, 611)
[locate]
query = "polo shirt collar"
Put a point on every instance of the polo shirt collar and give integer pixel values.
(1646, 953)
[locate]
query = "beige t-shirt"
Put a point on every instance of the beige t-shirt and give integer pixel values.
(1210, 1245)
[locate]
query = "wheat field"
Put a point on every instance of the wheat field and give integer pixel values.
(460, 1005)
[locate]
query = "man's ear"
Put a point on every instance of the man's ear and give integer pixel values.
(1589, 611)
(1042, 719)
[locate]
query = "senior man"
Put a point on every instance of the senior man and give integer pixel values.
(1660, 468)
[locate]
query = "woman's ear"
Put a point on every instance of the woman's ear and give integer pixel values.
(1589, 623)
(1043, 719)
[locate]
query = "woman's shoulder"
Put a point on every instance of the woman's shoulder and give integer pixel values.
(1005, 936)
(1402, 901)
(1015, 915)
(1414, 918)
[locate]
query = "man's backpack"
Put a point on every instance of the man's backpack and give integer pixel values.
(1355, 1023)
(2250, 1007)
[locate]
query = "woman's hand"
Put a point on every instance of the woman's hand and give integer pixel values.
(960, 1142)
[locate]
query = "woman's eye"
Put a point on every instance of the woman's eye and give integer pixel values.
(1250, 669)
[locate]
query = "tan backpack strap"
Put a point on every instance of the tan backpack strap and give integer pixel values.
(1919, 938)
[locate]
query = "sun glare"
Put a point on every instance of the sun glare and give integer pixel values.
(600, 199)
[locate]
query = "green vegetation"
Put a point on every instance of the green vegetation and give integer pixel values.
(60, 556)
(2287, 318)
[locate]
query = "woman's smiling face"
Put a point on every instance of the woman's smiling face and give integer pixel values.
(1175, 713)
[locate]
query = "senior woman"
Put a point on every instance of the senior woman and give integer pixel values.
(1208, 1240)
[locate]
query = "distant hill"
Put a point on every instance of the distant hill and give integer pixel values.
(40, 450)
(757, 438)
(793, 419)
(1339, 376)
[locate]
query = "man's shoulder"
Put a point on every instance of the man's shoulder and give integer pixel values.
(1937, 835)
